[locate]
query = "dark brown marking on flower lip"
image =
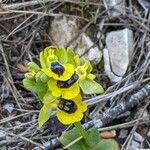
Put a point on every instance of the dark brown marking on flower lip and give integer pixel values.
(68, 83)
(57, 68)
(67, 106)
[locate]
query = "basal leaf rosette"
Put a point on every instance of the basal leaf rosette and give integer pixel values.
(71, 111)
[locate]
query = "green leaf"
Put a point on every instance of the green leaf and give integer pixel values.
(41, 77)
(33, 67)
(70, 55)
(45, 96)
(89, 86)
(93, 137)
(69, 137)
(92, 142)
(44, 115)
(41, 95)
(61, 54)
(106, 144)
(37, 76)
(33, 86)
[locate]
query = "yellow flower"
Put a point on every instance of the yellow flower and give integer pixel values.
(84, 71)
(72, 112)
(66, 93)
(59, 71)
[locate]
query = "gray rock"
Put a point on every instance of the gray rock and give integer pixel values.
(107, 67)
(123, 133)
(86, 50)
(115, 7)
(148, 134)
(118, 54)
(64, 29)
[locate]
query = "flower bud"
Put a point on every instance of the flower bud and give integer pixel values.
(33, 67)
(37, 76)
(30, 75)
(44, 78)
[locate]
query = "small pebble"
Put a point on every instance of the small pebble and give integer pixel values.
(9, 107)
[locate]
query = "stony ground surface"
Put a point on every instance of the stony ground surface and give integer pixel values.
(115, 39)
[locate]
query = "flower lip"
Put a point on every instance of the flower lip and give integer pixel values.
(69, 118)
(67, 106)
(69, 82)
(57, 68)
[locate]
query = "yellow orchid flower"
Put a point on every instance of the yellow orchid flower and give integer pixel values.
(86, 79)
(71, 111)
(59, 71)
(66, 93)
(84, 71)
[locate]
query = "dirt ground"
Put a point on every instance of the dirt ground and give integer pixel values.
(24, 33)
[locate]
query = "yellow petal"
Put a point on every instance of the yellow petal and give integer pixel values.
(47, 71)
(52, 85)
(66, 118)
(71, 92)
(83, 106)
(80, 104)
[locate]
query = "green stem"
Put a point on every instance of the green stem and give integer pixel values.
(80, 129)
